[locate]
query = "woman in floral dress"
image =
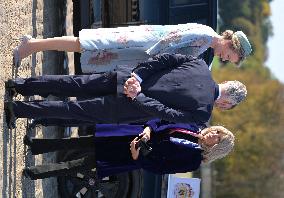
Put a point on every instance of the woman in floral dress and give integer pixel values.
(104, 48)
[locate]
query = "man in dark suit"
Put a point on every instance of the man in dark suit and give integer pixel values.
(175, 88)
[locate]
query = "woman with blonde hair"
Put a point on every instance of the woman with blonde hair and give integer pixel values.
(220, 150)
(162, 147)
(103, 48)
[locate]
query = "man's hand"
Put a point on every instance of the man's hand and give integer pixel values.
(146, 134)
(134, 151)
(132, 87)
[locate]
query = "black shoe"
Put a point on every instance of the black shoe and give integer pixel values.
(27, 140)
(10, 88)
(10, 116)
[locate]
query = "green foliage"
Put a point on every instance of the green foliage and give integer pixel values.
(243, 24)
(228, 10)
(266, 12)
(267, 30)
(255, 168)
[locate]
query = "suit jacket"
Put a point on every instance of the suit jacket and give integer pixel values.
(177, 88)
(170, 154)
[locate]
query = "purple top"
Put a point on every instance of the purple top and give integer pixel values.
(172, 153)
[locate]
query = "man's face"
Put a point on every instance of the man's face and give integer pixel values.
(223, 103)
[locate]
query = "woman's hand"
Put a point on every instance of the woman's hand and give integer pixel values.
(134, 151)
(146, 134)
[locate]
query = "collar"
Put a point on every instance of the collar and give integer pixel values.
(217, 94)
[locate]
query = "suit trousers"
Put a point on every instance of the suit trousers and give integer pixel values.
(72, 167)
(93, 86)
(97, 110)
(39, 146)
(82, 144)
(86, 86)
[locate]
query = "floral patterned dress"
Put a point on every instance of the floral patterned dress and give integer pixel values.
(105, 48)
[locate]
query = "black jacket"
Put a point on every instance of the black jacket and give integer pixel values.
(177, 88)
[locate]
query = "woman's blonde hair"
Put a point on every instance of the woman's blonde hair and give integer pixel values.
(221, 149)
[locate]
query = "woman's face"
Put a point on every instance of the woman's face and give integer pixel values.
(213, 137)
(225, 52)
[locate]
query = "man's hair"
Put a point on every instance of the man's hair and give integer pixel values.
(220, 150)
(236, 91)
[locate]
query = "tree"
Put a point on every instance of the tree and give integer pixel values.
(248, 172)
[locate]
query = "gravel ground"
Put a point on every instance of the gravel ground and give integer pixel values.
(41, 19)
